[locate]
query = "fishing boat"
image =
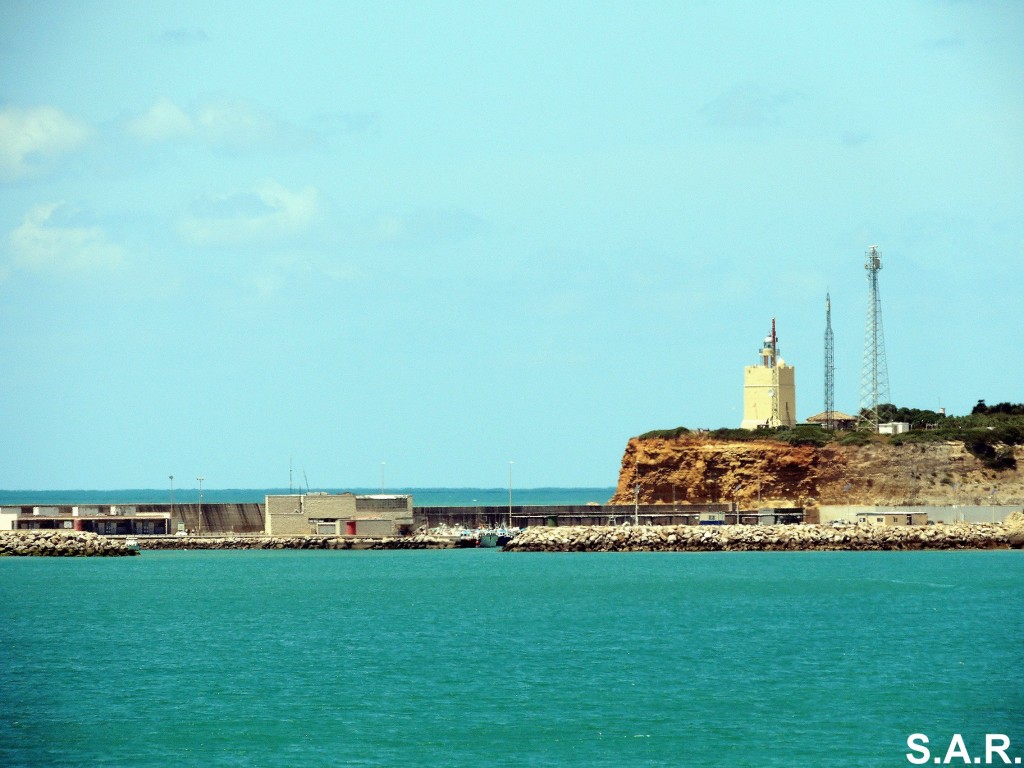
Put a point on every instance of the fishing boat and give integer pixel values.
(497, 538)
(488, 539)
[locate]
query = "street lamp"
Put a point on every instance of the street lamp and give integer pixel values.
(510, 493)
(171, 478)
(199, 528)
(382, 476)
(636, 493)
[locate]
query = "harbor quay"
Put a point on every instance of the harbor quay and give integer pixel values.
(344, 521)
(576, 538)
(378, 515)
(302, 517)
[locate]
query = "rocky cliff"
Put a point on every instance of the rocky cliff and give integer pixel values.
(694, 469)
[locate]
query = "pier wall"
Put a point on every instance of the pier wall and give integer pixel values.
(238, 518)
(220, 519)
(550, 515)
(216, 517)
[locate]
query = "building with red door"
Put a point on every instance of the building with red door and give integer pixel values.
(338, 514)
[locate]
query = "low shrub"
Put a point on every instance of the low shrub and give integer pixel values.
(855, 438)
(665, 434)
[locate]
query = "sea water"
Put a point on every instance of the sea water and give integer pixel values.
(480, 658)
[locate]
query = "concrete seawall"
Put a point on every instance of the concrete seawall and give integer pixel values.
(230, 519)
(733, 538)
(579, 514)
(240, 519)
(233, 519)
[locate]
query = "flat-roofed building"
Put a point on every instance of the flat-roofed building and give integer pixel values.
(106, 519)
(338, 514)
(894, 428)
(891, 517)
(842, 421)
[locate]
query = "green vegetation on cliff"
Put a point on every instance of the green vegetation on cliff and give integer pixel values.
(988, 432)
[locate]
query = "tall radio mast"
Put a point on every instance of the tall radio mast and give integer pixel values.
(830, 369)
(874, 373)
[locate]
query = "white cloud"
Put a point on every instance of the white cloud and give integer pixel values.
(223, 123)
(43, 244)
(237, 123)
(268, 212)
(162, 122)
(31, 139)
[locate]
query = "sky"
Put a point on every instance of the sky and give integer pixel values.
(418, 241)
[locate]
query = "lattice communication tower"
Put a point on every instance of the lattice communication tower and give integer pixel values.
(830, 369)
(874, 373)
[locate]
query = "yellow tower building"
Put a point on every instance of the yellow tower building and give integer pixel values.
(769, 389)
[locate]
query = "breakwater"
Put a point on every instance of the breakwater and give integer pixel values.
(418, 541)
(734, 538)
(61, 544)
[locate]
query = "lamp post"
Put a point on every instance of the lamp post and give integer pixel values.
(382, 476)
(171, 478)
(510, 493)
(636, 493)
(199, 528)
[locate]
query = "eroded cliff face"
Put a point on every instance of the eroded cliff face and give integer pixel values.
(700, 470)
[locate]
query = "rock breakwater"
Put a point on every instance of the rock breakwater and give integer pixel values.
(419, 541)
(761, 538)
(61, 544)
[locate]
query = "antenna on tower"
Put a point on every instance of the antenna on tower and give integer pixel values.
(776, 420)
(830, 369)
(874, 373)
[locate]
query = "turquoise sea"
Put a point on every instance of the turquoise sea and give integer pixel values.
(481, 658)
